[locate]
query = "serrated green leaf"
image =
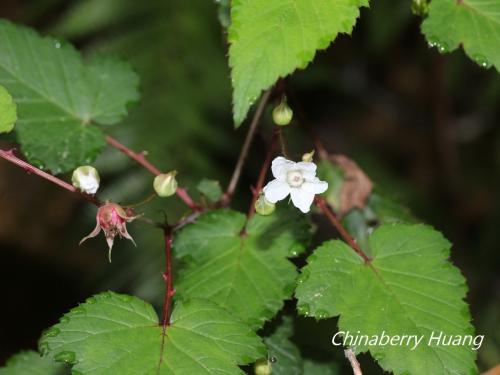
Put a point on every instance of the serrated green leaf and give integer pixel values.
(247, 273)
(210, 189)
(271, 38)
(8, 111)
(472, 24)
(409, 288)
(119, 334)
(60, 99)
(31, 363)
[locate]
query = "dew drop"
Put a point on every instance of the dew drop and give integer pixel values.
(481, 60)
(304, 309)
(44, 348)
(52, 332)
(78, 310)
(273, 359)
(66, 356)
(321, 314)
(126, 298)
(57, 44)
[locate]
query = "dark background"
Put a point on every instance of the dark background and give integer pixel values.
(424, 126)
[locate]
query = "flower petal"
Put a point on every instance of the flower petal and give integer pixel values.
(302, 199)
(315, 186)
(280, 167)
(276, 190)
(92, 234)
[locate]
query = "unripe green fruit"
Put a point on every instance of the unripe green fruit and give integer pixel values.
(86, 179)
(165, 184)
(262, 367)
(263, 206)
(282, 114)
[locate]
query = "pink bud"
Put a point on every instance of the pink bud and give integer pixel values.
(112, 219)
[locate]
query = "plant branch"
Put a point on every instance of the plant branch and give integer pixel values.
(263, 172)
(356, 369)
(169, 288)
(301, 115)
(141, 159)
(30, 169)
(245, 149)
(323, 206)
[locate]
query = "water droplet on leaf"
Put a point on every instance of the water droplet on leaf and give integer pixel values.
(66, 356)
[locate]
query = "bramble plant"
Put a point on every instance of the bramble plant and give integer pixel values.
(234, 270)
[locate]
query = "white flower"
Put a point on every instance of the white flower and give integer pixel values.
(297, 179)
(86, 178)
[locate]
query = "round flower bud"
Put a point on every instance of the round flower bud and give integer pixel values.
(262, 367)
(282, 114)
(86, 179)
(263, 206)
(165, 184)
(308, 156)
(420, 7)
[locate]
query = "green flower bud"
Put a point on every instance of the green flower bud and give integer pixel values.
(262, 367)
(165, 184)
(420, 7)
(263, 206)
(308, 156)
(282, 114)
(86, 179)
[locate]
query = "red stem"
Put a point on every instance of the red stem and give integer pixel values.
(140, 158)
(169, 289)
(245, 149)
(263, 172)
(323, 205)
(9, 156)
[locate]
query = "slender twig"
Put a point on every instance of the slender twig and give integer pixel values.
(169, 289)
(263, 172)
(284, 151)
(245, 149)
(301, 115)
(323, 206)
(141, 159)
(9, 156)
(356, 369)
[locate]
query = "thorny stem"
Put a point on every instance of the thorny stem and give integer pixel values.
(356, 369)
(169, 289)
(245, 149)
(263, 172)
(9, 156)
(323, 206)
(140, 158)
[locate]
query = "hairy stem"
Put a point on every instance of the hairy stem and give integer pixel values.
(263, 172)
(245, 149)
(141, 159)
(356, 369)
(323, 206)
(11, 157)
